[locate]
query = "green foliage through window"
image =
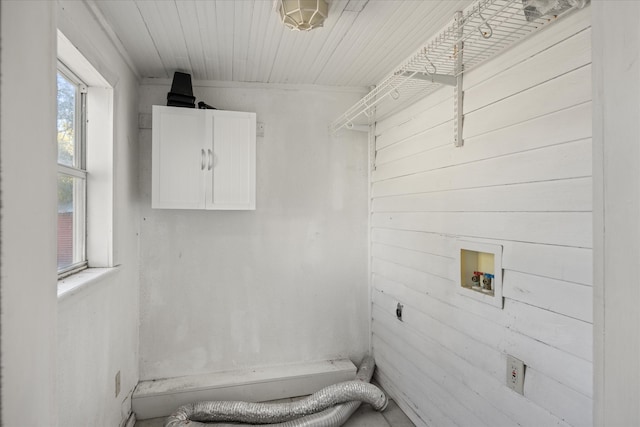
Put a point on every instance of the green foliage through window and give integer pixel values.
(67, 101)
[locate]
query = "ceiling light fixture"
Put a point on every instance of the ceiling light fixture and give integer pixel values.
(302, 15)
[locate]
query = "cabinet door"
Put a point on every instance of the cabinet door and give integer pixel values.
(232, 183)
(179, 158)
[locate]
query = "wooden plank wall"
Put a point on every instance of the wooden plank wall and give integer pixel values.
(523, 181)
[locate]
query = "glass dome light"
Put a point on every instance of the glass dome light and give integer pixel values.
(302, 15)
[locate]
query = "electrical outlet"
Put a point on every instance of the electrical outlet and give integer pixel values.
(515, 374)
(259, 129)
(117, 383)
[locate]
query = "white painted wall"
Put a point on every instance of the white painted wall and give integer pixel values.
(616, 92)
(284, 283)
(523, 181)
(98, 325)
(28, 241)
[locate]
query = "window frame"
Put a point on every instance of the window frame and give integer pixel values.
(101, 251)
(77, 170)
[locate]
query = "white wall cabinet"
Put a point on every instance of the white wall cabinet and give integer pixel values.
(203, 159)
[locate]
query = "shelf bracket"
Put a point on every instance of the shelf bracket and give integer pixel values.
(443, 79)
(359, 128)
(458, 97)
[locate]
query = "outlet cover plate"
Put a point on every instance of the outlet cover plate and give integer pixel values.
(515, 374)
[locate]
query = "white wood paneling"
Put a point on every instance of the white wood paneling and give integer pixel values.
(437, 97)
(560, 262)
(570, 160)
(434, 264)
(259, 26)
(243, 33)
(270, 46)
(549, 64)
(445, 396)
(430, 118)
(553, 228)
(403, 402)
(159, 21)
(429, 413)
(428, 140)
(468, 385)
(224, 18)
(304, 64)
(568, 298)
(574, 408)
(562, 92)
(334, 39)
(188, 12)
(472, 319)
(522, 180)
(555, 329)
(132, 31)
(390, 21)
(245, 41)
(481, 355)
(564, 126)
(523, 51)
(528, 197)
(437, 16)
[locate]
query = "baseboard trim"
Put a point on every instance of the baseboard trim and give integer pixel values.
(159, 398)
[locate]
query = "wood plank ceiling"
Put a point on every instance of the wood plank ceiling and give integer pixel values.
(244, 40)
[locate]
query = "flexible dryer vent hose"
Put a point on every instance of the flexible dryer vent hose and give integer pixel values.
(302, 413)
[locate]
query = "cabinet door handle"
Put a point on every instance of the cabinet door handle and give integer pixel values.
(202, 163)
(210, 160)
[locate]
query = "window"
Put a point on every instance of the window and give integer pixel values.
(85, 168)
(72, 173)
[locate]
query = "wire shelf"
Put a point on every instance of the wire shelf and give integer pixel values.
(485, 28)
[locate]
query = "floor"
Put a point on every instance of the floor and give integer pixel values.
(365, 416)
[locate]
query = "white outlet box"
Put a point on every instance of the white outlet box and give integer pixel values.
(515, 374)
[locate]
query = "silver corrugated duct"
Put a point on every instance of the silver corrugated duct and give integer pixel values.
(534, 9)
(301, 413)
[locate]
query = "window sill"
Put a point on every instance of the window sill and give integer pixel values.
(75, 283)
